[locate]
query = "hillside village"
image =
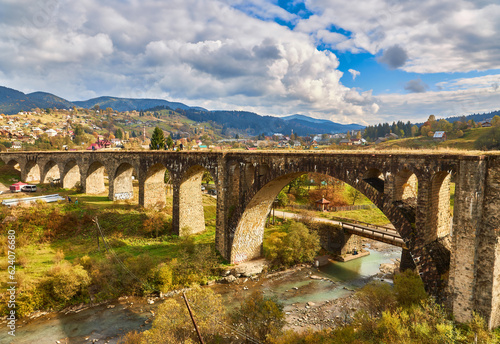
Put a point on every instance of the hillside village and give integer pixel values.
(79, 129)
(93, 129)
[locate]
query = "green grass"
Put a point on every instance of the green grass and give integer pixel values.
(122, 225)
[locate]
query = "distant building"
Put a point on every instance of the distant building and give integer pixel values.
(380, 140)
(345, 142)
(51, 132)
(439, 136)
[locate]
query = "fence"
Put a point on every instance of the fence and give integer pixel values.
(333, 208)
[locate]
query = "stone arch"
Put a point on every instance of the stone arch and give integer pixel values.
(14, 169)
(249, 234)
(50, 171)
(14, 164)
(405, 185)
(439, 215)
(191, 214)
(71, 175)
(246, 243)
(375, 178)
(94, 181)
(154, 187)
(31, 172)
(122, 183)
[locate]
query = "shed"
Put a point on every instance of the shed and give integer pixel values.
(439, 136)
(322, 203)
(17, 187)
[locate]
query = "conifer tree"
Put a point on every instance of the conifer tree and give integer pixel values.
(157, 140)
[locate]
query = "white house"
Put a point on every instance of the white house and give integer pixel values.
(51, 132)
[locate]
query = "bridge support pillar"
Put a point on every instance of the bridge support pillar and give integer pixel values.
(483, 206)
(406, 261)
(335, 240)
(472, 267)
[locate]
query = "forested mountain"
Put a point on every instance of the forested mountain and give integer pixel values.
(129, 104)
(49, 100)
(12, 101)
(255, 124)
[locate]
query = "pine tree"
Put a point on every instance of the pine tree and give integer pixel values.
(157, 140)
(169, 142)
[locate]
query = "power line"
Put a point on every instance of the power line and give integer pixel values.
(231, 328)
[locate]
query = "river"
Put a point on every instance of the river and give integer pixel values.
(312, 297)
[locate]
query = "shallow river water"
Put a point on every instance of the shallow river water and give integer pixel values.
(108, 322)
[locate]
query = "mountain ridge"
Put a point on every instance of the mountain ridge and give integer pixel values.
(13, 101)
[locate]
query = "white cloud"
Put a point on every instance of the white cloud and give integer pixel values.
(453, 99)
(437, 35)
(232, 55)
(216, 56)
(354, 73)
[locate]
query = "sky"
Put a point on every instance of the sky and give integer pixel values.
(366, 62)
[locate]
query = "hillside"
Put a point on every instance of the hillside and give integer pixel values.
(12, 102)
(254, 124)
(130, 104)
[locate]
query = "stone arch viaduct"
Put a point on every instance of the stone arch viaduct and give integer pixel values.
(457, 255)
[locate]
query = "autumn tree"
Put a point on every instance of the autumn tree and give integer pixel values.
(260, 317)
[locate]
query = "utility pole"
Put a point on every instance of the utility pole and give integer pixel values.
(192, 318)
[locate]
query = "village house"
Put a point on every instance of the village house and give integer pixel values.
(439, 136)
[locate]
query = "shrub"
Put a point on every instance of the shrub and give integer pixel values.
(260, 317)
(64, 282)
(409, 288)
(299, 245)
(172, 323)
(377, 297)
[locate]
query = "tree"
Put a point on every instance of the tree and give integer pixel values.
(119, 133)
(157, 140)
(354, 194)
(495, 121)
(260, 317)
(172, 323)
(207, 177)
(169, 142)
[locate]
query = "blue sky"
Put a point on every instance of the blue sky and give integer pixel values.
(366, 61)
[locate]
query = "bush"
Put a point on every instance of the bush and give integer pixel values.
(299, 245)
(409, 288)
(377, 297)
(260, 317)
(172, 323)
(64, 282)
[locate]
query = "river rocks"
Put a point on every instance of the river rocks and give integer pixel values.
(251, 268)
(229, 279)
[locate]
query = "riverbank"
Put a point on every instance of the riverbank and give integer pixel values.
(312, 299)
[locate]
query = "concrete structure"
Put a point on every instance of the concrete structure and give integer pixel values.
(457, 256)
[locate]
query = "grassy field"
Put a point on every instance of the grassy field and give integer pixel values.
(49, 234)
